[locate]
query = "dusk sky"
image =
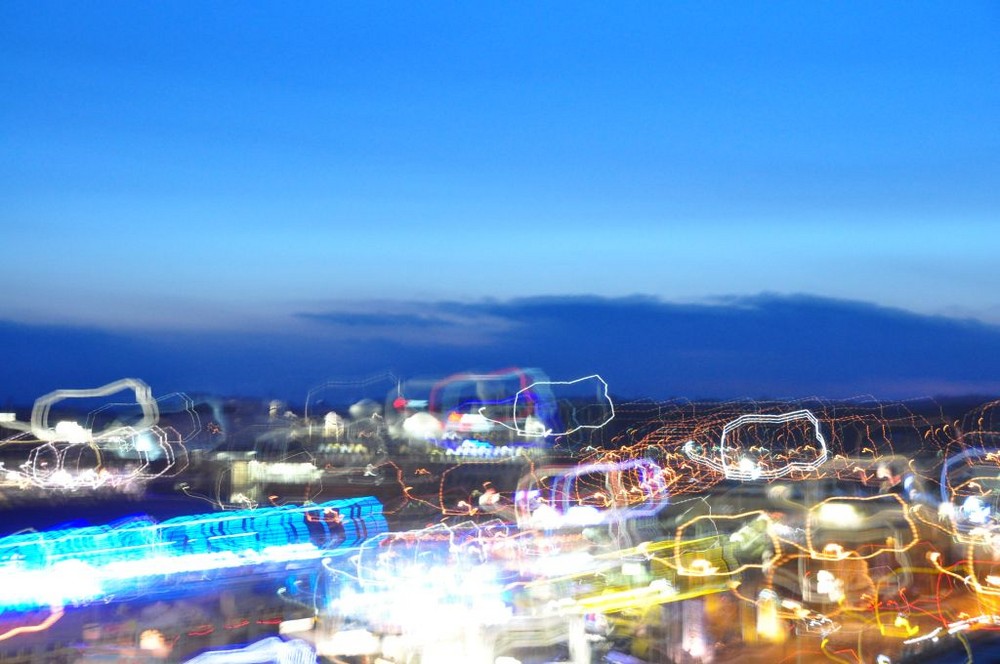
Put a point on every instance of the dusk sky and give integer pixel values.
(194, 178)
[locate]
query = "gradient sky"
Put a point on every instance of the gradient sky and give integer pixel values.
(204, 165)
(692, 199)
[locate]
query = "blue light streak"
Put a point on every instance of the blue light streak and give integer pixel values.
(81, 565)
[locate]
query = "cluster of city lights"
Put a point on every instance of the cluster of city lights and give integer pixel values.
(856, 534)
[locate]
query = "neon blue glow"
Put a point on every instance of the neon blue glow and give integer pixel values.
(955, 459)
(651, 480)
(976, 511)
(81, 565)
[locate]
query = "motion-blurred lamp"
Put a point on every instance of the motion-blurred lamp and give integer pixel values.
(422, 426)
(72, 432)
(333, 426)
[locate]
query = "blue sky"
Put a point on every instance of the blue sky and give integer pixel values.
(223, 166)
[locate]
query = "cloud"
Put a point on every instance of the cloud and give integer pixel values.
(410, 322)
(373, 320)
(761, 346)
